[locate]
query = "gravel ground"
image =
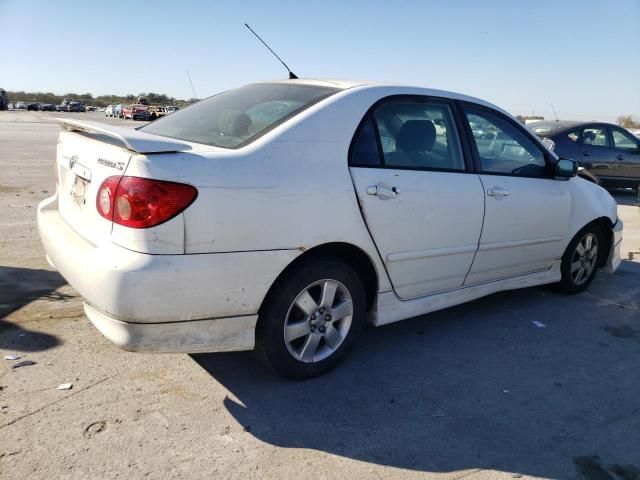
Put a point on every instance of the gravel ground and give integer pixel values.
(476, 391)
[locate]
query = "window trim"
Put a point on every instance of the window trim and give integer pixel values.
(465, 150)
(548, 159)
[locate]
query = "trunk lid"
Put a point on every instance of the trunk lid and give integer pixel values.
(83, 163)
(87, 153)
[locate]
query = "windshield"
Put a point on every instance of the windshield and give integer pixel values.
(235, 118)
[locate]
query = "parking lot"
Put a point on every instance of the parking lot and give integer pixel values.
(477, 391)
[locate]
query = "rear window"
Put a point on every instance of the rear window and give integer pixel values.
(235, 118)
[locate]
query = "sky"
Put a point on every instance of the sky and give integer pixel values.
(581, 55)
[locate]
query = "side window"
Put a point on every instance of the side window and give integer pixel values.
(417, 134)
(622, 139)
(502, 147)
(595, 136)
(365, 148)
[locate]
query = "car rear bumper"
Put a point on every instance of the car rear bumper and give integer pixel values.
(163, 303)
(207, 335)
(614, 260)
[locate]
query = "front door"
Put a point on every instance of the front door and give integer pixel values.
(526, 211)
(420, 199)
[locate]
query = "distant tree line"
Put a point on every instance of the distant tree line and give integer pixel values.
(627, 121)
(99, 101)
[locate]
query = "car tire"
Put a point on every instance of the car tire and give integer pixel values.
(299, 335)
(581, 259)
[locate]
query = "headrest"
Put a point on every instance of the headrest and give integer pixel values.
(416, 136)
(234, 122)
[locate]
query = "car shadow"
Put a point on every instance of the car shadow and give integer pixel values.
(474, 386)
(19, 287)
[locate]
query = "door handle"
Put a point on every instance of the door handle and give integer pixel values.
(498, 192)
(586, 153)
(383, 192)
(619, 156)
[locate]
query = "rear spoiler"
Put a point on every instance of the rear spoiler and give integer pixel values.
(134, 140)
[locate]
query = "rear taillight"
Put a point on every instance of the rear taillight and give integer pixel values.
(141, 202)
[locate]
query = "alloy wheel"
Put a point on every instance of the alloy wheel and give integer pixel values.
(318, 321)
(584, 258)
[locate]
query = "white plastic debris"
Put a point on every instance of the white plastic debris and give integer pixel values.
(65, 386)
(538, 324)
(12, 357)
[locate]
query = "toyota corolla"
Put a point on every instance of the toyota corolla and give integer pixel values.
(281, 216)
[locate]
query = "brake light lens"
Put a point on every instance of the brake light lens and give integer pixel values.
(141, 202)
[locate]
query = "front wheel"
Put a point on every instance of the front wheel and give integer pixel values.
(311, 318)
(581, 259)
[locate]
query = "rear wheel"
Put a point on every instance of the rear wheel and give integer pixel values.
(581, 259)
(311, 318)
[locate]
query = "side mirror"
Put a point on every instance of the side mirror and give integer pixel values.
(566, 168)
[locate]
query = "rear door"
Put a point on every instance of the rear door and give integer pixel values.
(420, 198)
(598, 156)
(526, 210)
(627, 151)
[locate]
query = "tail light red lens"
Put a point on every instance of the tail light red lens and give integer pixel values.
(141, 202)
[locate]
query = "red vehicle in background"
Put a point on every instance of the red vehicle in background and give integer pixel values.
(135, 112)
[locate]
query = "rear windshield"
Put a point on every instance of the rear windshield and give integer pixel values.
(235, 118)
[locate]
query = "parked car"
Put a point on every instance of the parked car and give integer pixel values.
(108, 112)
(607, 151)
(156, 111)
(75, 107)
(171, 109)
(21, 106)
(33, 106)
(4, 101)
(135, 112)
(61, 108)
(117, 111)
(48, 107)
(269, 217)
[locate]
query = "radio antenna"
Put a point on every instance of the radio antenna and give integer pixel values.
(554, 112)
(292, 76)
(194, 90)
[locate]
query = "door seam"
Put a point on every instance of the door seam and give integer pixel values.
(484, 214)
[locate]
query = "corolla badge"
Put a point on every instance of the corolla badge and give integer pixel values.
(109, 163)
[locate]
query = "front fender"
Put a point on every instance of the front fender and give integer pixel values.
(589, 202)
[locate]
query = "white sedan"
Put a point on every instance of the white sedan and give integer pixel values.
(281, 216)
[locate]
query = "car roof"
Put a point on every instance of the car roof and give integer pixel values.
(391, 88)
(552, 127)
